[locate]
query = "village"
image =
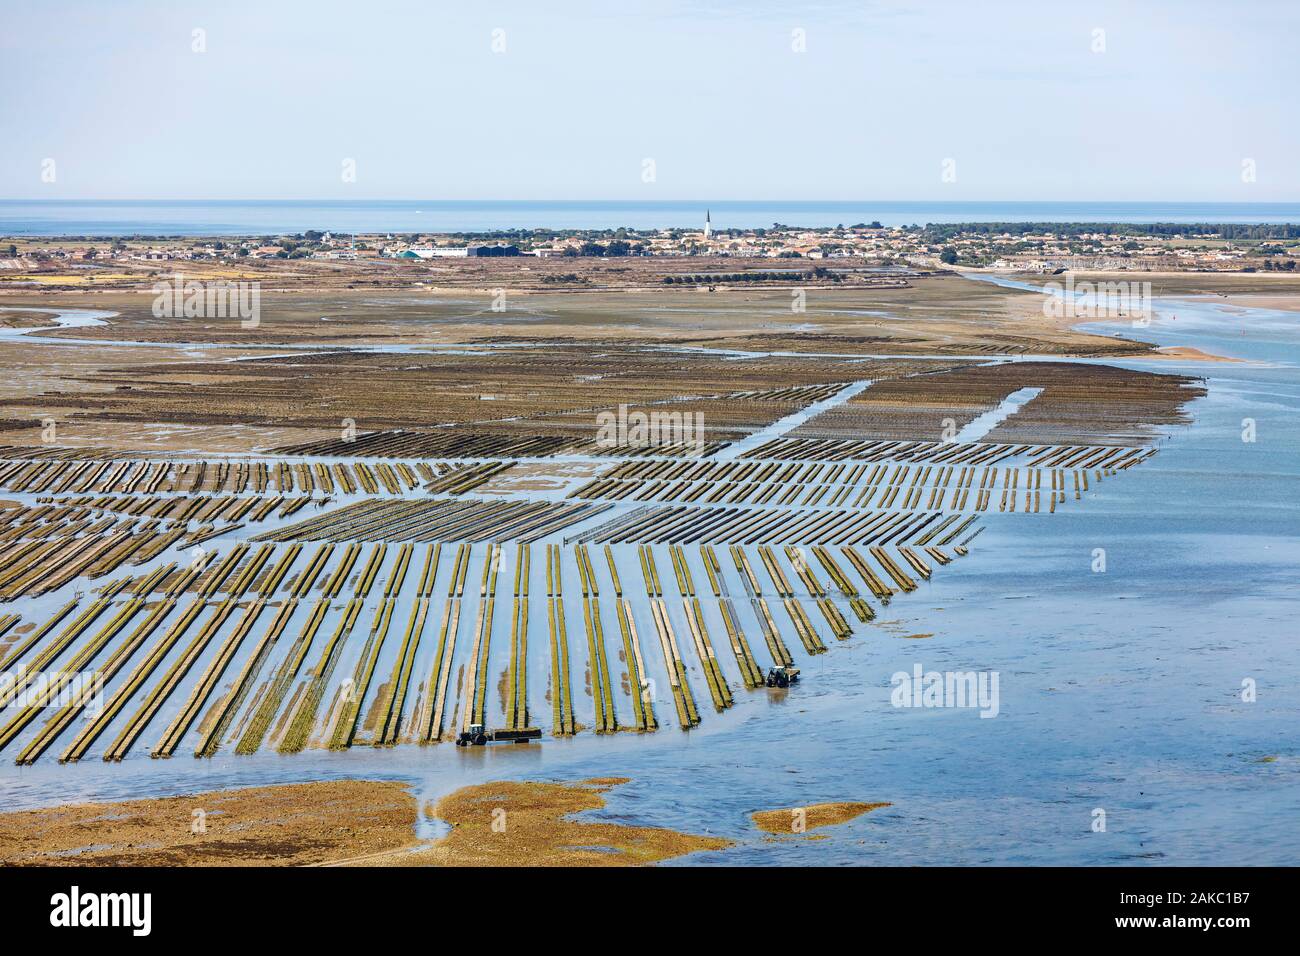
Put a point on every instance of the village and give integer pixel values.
(1006, 247)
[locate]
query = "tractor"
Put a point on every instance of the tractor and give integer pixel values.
(477, 735)
(782, 676)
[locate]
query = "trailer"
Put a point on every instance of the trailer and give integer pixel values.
(477, 735)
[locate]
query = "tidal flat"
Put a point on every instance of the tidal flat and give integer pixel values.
(1153, 681)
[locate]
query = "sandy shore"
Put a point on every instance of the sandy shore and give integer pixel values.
(1282, 303)
(1187, 353)
(259, 826)
(811, 817)
(531, 824)
(370, 823)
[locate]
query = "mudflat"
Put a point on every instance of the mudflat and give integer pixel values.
(343, 822)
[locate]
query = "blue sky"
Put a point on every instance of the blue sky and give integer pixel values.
(714, 93)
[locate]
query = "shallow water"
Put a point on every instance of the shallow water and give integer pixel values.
(1119, 690)
(981, 425)
(197, 217)
(62, 319)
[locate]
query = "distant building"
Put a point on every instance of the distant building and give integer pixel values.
(708, 225)
(456, 252)
(432, 252)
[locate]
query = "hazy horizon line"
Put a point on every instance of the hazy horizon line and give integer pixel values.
(631, 201)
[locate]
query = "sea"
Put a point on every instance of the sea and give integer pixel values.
(277, 217)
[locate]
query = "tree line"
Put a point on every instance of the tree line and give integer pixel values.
(938, 232)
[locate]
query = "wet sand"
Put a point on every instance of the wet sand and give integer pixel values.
(1188, 353)
(286, 825)
(811, 817)
(339, 823)
(530, 824)
(933, 314)
(1282, 303)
